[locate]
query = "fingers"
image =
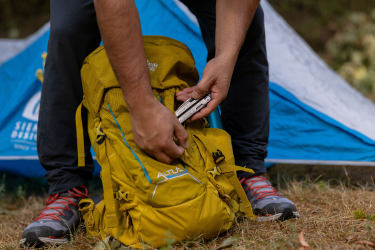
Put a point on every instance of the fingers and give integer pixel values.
(163, 157)
(184, 94)
(185, 90)
(183, 97)
(169, 150)
(172, 150)
(181, 135)
(211, 106)
(201, 88)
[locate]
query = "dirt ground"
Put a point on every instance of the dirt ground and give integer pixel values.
(336, 213)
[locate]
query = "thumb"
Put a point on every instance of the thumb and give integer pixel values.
(201, 88)
(181, 135)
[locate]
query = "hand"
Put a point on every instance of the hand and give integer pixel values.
(154, 127)
(216, 79)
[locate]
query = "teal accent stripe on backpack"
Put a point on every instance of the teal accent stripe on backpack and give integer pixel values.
(126, 143)
(178, 174)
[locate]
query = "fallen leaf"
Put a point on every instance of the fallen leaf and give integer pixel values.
(102, 245)
(316, 211)
(124, 248)
(303, 242)
(4, 211)
(228, 242)
(366, 243)
(115, 244)
(349, 238)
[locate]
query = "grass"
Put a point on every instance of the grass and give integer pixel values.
(337, 212)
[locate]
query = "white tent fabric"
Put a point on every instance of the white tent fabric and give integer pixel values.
(11, 47)
(296, 67)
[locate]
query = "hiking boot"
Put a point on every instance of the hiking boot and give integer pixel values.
(56, 221)
(268, 204)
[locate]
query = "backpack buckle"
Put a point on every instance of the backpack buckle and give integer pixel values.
(126, 196)
(100, 136)
(218, 156)
(216, 171)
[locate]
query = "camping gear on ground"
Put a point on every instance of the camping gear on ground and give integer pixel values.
(147, 202)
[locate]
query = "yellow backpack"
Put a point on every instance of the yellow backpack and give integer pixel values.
(146, 202)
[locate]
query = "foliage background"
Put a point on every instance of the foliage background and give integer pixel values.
(342, 32)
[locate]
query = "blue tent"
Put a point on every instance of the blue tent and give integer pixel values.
(316, 117)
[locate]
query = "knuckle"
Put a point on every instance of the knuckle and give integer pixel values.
(203, 89)
(165, 158)
(160, 158)
(163, 144)
(146, 147)
(185, 136)
(199, 88)
(180, 154)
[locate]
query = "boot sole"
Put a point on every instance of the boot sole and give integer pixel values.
(42, 241)
(286, 215)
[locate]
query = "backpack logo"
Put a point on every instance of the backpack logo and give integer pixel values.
(170, 172)
(152, 66)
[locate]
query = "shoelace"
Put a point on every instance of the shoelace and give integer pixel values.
(256, 191)
(62, 203)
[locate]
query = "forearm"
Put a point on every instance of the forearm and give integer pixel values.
(154, 126)
(233, 18)
(120, 29)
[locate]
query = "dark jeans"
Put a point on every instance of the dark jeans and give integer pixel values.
(74, 34)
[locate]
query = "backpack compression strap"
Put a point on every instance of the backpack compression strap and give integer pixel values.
(80, 138)
(111, 213)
